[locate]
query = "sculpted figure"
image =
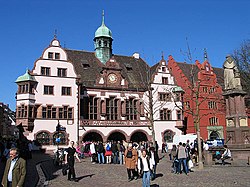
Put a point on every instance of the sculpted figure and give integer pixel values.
(231, 74)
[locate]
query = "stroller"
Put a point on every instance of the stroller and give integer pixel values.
(59, 157)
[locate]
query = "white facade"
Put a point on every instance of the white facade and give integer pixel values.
(165, 86)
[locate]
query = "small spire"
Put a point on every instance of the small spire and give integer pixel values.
(162, 55)
(205, 54)
(103, 17)
(55, 34)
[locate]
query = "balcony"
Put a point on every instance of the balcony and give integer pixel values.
(114, 123)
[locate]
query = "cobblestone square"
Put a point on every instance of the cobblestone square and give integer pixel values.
(110, 175)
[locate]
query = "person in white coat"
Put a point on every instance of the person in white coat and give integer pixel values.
(92, 151)
(145, 167)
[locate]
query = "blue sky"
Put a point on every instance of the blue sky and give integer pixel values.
(144, 26)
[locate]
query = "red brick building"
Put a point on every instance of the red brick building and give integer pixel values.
(203, 91)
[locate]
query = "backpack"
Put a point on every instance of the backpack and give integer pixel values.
(108, 147)
(129, 154)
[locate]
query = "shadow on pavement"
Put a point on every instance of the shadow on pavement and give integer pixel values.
(154, 185)
(80, 178)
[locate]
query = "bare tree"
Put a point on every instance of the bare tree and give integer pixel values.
(196, 97)
(242, 59)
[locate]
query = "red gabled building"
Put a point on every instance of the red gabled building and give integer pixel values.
(203, 91)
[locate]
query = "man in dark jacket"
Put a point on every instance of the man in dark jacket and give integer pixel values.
(15, 170)
(70, 160)
(114, 150)
(100, 151)
(153, 156)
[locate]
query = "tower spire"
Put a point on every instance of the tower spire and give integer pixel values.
(205, 54)
(55, 34)
(103, 17)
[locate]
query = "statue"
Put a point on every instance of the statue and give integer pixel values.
(231, 75)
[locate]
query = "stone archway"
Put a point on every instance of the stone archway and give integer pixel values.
(92, 136)
(139, 136)
(117, 136)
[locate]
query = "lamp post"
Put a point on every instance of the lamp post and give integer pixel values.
(78, 83)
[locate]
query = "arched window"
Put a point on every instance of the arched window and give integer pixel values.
(168, 136)
(43, 138)
(100, 43)
(60, 136)
(214, 135)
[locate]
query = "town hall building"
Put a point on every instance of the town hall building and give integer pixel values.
(97, 96)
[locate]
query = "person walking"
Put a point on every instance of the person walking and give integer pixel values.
(131, 158)
(15, 170)
(154, 158)
(182, 158)
(70, 160)
(145, 167)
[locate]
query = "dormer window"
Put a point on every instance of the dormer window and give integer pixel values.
(57, 56)
(207, 68)
(50, 55)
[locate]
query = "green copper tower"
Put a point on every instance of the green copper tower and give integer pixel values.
(103, 42)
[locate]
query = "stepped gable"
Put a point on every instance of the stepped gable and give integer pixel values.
(89, 67)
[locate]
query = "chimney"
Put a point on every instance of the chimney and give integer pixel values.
(136, 55)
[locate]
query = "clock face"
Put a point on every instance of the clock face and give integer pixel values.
(112, 78)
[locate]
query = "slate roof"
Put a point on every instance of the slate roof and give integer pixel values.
(89, 67)
(189, 70)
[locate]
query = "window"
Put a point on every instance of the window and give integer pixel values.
(93, 107)
(131, 109)
(45, 71)
(178, 97)
(54, 113)
(61, 72)
(112, 108)
(22, 111)
(168, 136)
(164, 96)
(178, 114)
(66, 90)
(44, 112)
(213, 121)
(164, 80)
(105, 44)
(43, 138)
(48, 90)
(24, 88)
(212, 105)
(60, 113)
(187, 105)
(212, 90)
(57, 56)
(204, 89)
(163, 69)
(50, 55)
(165, 115)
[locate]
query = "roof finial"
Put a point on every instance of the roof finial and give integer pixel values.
(205, 54)
(102, 17)
(55, 34)
(162, 55)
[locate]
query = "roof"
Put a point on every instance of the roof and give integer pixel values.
(89, 67)
(189, 70)
(103, 30)
(25, 77)
(219, 72)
